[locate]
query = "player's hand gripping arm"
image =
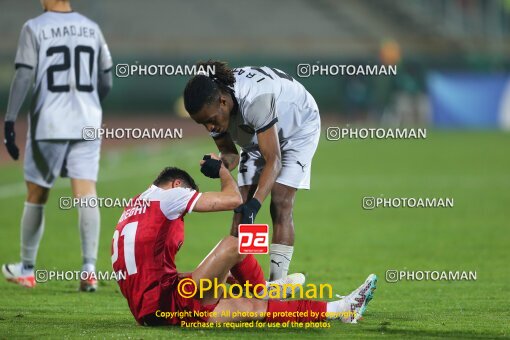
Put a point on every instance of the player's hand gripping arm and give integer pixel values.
(19, 88)
(228, 198)
(228, 151)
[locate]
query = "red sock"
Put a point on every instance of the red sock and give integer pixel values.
(275, 309)
(248, 270)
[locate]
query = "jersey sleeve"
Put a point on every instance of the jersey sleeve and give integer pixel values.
(105, 58)
(26, 54)
(261, 112)
(178, 202)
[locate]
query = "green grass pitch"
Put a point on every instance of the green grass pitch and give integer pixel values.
(337, 241)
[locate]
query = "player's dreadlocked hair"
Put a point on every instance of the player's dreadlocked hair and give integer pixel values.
(171, 174)
(205, 89)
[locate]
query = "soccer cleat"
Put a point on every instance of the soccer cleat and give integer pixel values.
(291, 283)
(89, 284)
(352, 306)
(16, 274)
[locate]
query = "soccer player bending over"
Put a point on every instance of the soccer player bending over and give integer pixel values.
(150, 233)
(276, 123)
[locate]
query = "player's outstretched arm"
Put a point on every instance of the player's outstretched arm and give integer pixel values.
(269, 146)
(19, 88)
(228, 198)
(270, 149)
(228, 151)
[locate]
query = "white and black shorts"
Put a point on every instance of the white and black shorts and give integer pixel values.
(45, 160)
(297, 155)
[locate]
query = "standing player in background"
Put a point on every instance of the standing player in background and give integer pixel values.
(276, 122)
(64, 56)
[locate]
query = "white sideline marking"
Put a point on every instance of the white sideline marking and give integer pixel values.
(12, 190)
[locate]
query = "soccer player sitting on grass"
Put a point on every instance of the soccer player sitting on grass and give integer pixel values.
(149, 235)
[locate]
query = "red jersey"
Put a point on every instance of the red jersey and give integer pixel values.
(147, 238)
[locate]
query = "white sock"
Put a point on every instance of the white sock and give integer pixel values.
(280, 256)
(89, 221)
(27, 270)
(335, 308)
(32, 228)
(88, 267)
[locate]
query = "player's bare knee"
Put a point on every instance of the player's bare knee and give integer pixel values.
(37, 199)
(281, 209)
(231, 247)
(37, 194)
(282, 198)
(83, 188)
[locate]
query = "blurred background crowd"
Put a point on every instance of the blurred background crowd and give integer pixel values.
(452, 55)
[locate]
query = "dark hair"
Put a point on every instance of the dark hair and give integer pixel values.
(205, 89)
(171, 174)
